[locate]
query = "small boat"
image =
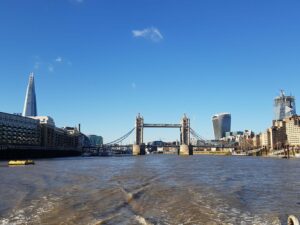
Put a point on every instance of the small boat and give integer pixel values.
(20, 162)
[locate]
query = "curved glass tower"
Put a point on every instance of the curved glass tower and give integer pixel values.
(284, 106)
(30, 108)
(222, 124)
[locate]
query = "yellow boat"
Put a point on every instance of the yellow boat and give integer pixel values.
(20, 162)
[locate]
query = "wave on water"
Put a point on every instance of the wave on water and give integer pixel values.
(32, 213)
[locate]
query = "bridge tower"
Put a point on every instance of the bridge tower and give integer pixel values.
(139, 129)
(185, 137)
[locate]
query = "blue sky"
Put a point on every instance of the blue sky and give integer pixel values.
(101, 62)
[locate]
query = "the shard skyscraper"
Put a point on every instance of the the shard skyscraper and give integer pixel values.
(30, 99)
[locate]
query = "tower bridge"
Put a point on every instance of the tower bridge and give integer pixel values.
(139, 148)
(184, 126)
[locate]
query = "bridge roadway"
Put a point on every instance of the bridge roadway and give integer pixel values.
(162, 125)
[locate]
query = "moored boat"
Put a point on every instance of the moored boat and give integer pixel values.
(20, 162)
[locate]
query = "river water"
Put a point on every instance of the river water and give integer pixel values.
(157, 189)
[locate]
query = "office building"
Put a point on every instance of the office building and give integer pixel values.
(284, 106)
(95, 140)
(221, 124)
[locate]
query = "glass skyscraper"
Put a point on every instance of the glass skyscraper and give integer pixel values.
(221, 124)
(284, 106)
(30, 108)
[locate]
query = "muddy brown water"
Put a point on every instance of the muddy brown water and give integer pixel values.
(155, 189)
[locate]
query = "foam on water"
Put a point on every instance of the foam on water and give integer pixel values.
(32, 213)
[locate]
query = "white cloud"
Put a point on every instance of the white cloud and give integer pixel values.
(50, 68)
(150, 33)
(63, 61)
(59, 59)
(50, 65)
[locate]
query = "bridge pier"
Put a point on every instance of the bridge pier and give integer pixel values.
(185, 150)
(138, 150)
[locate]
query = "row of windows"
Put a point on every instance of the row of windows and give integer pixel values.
(293, 128)
(19, 132)
(19, 138)
(7, 126)
(20, 126)
(28, 142)
(25, 141)
(297, 126)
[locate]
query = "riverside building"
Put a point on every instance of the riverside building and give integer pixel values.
(19, 130)
(277, 134)
(16, 130)
(265, 139)
(293, 130)
(274, 137)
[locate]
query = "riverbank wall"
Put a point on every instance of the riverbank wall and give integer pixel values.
(30, 152)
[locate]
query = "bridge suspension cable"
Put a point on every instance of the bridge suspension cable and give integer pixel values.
(198, 137)
(121, 138)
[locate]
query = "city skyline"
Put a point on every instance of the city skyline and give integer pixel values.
(199, 59)
(30, 110)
